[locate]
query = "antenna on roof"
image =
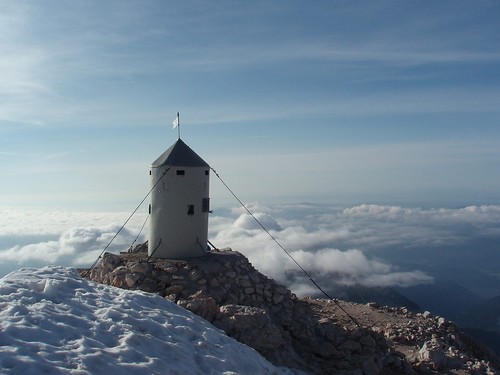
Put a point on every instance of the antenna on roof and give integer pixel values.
(177, 124)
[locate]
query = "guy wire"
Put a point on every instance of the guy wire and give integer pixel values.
(286, 252)
(125, 223)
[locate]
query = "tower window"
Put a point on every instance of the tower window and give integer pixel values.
(205, 205)
(206, 173)
(181, 172)
(190, 209)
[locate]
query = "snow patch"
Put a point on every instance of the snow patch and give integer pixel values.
(53, 321)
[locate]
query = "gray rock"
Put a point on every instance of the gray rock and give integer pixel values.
(427, 314)
(174, 289)
(140, 267)
(250, 325)
(110, 261)
(132, 278)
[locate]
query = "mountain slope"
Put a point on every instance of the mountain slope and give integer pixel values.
(316, 335)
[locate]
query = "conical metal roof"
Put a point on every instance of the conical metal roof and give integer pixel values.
(181, 155)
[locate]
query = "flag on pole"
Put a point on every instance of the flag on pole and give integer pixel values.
(175, 123)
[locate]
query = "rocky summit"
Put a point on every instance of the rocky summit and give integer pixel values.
(316, 336)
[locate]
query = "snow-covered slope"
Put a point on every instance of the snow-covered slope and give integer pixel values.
(53, 322)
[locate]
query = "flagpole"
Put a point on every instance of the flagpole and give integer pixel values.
(178, 126)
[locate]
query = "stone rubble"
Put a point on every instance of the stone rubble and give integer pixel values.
(309, 334)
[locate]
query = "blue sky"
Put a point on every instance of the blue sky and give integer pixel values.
(328, 101)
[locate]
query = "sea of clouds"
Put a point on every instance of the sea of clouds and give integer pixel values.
(343, 244)
(36, 238)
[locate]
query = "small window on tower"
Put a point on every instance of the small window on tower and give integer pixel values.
(190, 209)
(206, 173)
(205, 205)
(181, 172)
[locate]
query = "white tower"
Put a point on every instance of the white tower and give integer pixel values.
(179, 204)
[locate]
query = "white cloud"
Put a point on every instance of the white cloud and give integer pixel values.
(340, 244)
(411, 227)
(353, 267)
(38, 238)
(333, 244)
(78, 246)
(245, 221)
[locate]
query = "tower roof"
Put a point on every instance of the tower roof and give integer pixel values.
(180, 154)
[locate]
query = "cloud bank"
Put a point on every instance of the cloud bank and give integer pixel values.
(309, 234)
(336, 245)
(37, 238)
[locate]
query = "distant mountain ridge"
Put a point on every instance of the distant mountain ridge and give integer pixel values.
(443, 297)
(483, 323)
